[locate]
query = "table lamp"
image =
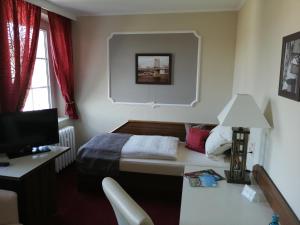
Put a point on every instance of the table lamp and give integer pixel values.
(241, 113)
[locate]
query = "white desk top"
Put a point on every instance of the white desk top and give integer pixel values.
(21, 166)
(222, 205)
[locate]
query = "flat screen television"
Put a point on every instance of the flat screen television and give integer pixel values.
(23, 133)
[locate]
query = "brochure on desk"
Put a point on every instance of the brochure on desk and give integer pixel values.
(203, 178)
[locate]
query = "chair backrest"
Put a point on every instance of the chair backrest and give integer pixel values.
(8, 207)
(127, 211)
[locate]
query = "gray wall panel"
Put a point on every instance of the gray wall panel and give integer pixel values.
(184, 50)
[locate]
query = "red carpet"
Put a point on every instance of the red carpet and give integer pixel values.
(92, 208)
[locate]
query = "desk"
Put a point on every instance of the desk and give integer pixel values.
(33, 177)
(223, 205)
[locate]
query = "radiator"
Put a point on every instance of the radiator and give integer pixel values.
(66, 139)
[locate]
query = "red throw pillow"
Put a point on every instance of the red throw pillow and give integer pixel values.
(196, 139)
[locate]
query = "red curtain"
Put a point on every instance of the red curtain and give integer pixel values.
(19, 30)
(62, 59)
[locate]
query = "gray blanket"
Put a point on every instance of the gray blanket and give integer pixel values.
(101, 155)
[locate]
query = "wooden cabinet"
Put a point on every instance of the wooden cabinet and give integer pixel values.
(33, 178)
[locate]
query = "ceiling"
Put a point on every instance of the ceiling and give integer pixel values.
(123, 7)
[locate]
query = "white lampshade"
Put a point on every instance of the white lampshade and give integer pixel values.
(242, 111)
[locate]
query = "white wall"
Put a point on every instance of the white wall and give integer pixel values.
(261, 26)
(97, 113)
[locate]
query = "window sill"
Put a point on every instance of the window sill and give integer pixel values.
(62, 119)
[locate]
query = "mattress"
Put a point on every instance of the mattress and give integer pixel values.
(172, 167)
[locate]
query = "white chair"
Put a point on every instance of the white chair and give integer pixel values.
(127, 211)
(8, 208)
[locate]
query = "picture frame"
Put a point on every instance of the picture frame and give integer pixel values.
(152, 68)
(289, 82)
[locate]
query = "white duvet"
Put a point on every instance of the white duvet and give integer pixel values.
(150, 147)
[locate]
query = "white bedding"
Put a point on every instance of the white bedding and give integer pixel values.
(150, 147)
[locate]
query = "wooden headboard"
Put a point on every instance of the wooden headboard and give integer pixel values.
(274, 197)
(139, 127)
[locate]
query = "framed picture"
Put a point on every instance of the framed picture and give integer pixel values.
(289, 83)
(153, 68)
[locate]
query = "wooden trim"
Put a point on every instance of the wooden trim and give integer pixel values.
(175, 129)
(274, 197)
(153, 128)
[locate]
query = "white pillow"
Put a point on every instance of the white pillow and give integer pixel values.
(218, 141)
(225, 132)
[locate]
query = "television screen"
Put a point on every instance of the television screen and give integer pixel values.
(24, 130)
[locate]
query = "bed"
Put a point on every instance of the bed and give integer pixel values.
(172, 167)
(159, 169)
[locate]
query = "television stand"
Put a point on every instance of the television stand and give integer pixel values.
(28, 151)
(34, 181)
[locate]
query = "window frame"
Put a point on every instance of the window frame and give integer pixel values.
(44, 27)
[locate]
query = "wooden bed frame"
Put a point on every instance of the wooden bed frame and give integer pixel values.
(157, 128)
(173, 184)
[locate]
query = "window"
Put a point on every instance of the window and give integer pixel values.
(39, 94)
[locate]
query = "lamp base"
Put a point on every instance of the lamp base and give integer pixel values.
(245, 180)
